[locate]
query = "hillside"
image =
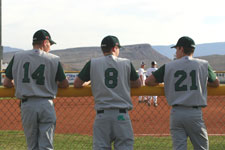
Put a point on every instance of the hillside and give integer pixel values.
(75, 58)
(206, 49)
(216, 61)
(7, 49)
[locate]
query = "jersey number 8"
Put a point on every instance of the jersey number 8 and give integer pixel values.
(111, 75)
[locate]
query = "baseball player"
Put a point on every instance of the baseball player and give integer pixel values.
(141, 73)
(111, 78)
(148, 73)
(185, 84)
(36, 75)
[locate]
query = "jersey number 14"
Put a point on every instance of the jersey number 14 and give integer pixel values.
(37, 75)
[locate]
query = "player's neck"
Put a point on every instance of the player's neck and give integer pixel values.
(191, 55)
(39, 48)
(186, 55)
(110, 53)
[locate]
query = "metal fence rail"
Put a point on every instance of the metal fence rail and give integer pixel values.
(75, 116)
(71, 75)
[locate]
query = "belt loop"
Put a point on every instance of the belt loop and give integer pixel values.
(122, 110)
(194, 106)
(176, 105)
(100, 111)
(23, 100)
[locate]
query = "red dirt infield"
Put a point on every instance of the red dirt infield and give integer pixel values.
(75, 115)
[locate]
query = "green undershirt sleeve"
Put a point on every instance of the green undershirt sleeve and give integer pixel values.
(211, 74)
(8, 71)
(84, 75)
(134, 75)
(60, 75)
(159, 74)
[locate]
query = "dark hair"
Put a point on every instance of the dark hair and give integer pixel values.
(106, 49)
(37, 42)
(154, 63)
(189, 50)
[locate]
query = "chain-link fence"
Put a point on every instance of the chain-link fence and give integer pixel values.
(75, 117)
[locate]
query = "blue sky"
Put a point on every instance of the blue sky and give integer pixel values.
(82, 23)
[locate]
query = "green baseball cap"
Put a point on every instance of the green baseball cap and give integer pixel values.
(42, 35)
(185, 41)
(110, 41)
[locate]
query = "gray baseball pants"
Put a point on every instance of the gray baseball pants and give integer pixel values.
(113, 126)
(39, 121)
(188, 122)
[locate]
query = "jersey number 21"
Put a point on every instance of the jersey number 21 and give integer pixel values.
(182, 75)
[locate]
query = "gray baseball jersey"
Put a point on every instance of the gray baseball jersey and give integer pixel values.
(185, 81)
(185, 85)
(37, 75)
(105, 74)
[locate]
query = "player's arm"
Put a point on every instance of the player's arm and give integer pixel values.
(61, 79)
(213, 81)
(78, 83)
(83, 77)
(156, 77)
(151, 81)
(8, 81)
(63, 84)
(135, 81)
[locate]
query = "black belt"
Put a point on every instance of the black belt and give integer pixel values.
(24, 100)
(185, 106)
(120, 110)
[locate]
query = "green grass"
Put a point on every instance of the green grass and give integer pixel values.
(15, 140)
(12, 140)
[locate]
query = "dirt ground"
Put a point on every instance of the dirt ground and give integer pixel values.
(76, 115)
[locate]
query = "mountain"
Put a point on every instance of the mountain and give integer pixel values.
(165, 50)
(201, 49)
(7, 49)
(217, 48)
(76, 58)
(216, 61)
